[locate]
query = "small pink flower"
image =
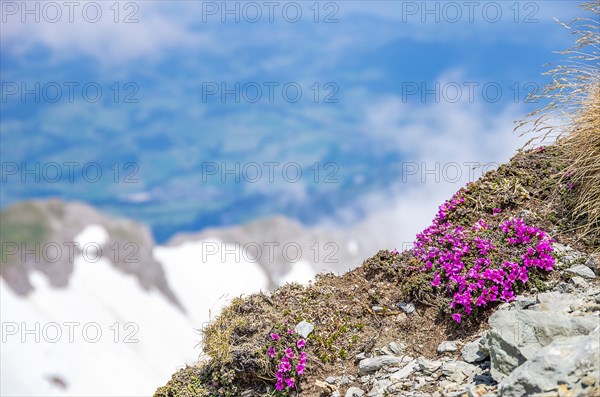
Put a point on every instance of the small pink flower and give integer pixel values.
(301, 343)
(272, 352)
(300, 369)
(290, 331)
(289, 353)
(284, 366)
(290, 382)
(456, 317)
(275, 336)
(436, 280)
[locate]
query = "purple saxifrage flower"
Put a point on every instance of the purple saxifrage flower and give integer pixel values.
(289, 353)
(290, 382)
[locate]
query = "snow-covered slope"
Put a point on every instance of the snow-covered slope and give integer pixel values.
(104, 334)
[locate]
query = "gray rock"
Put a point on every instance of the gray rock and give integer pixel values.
(557, 302)
(354, 392)
(581, 271)
(523, 302)
(485, 379)
(516, 335)
(379, 388)
(396, 348)
(564, 361)
(407, 308)
(471, 352)
(360, 356)
(345, 379)
(428, 366)
(386, 351)
(447, 346)
(564, 288)
(561, 249)
(304, 328)
(335, 394)
(483, 343)
(374, 363)
(593, 262)
(377, 309)
(458, 371)
(579, 282)
(421, 381)
(566, 254)
(457, 393)
(591, 307)
(588, 381)
(525, 214)
(404, 372)
(401, 317)
(330, 380)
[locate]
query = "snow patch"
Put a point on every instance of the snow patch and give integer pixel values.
(104, 334)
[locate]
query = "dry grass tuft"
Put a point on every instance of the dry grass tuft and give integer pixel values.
(217, 337)
(573, 117)
(568, 92)
(582, 150)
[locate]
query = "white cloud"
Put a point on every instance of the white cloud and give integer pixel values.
(105, 41)
(439, 141)
(164, 25)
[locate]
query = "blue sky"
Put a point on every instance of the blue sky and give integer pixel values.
(373, 63)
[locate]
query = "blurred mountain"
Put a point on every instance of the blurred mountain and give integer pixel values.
(39, 235)
(280, 245)
(79, 287)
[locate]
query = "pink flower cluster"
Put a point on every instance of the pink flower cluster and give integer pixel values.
(519, 233)
(460, 258)
(290, 360)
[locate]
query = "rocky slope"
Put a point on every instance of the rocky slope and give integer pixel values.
(385, 328)
(545, 344)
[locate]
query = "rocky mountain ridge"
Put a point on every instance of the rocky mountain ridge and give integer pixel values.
(40, 235)
(544, 345)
